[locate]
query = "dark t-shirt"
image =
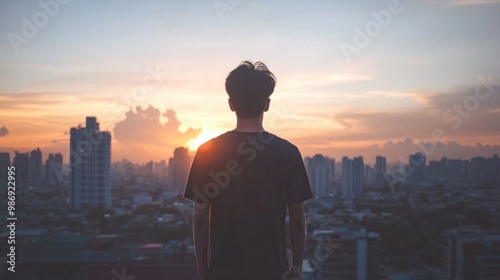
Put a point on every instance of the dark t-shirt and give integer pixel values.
(248, 178)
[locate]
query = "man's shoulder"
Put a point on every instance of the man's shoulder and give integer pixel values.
(263, 138)
(213, 142)
(284, 142)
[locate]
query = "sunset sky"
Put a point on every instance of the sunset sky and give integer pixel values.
(153, 73)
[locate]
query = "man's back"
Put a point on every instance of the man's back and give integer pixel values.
(247, 178)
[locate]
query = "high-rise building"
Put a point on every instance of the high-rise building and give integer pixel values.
(4, 165)
(320, 171)
(470, 253)
(90, 161)
(352, 177)
(380, 171)
(484, 170)
(54, 169)
(319, 175)
(178, 168)
(446, 169)
(22, 165)
(347, 254)
(416, 168)
(456, 169)
(330, 162)
(36, 167)
(160, 169)
(369, 173)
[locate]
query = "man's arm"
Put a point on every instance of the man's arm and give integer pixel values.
(201, 223)
(297, 235)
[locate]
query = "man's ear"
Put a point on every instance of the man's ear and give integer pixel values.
(266, 107)
(231, 106)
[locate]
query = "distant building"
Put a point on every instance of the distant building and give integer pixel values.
(145, 172)
(318, 168)
(352, 177)
(347, 254)
(416, 167)
(178, 168)
(141, 198)
(54, 169)
(160, 169)
(36, 167)
(146, 169)
(470, 253)
(90, 160)
(484, 170)
(456, 169)
(369, 174)
(4, 164)
(380, 171)
(447, 169)
(330, 163)
(22, 165)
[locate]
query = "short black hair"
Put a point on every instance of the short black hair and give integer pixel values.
(249, 86)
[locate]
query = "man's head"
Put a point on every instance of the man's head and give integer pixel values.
(249, 87)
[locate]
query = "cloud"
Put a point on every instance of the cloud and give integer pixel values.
(466, 115)
(30, 100)
(460, 113)
(4, 131)
(143, 132)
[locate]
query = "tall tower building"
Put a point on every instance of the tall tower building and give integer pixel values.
(352, 177)
(320, 170)
(380, 170)
(90, 161)
(54, 169)
(4, 164)
(178, 168)
(320, 175)
(160, 169)
(22, 164)
(331, 168)
(36, 167)
(416, 168)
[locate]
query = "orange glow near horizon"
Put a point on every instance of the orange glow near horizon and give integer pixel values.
(206, 135)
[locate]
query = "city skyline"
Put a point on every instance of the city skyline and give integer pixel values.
(90, 163)
(353, 78)
(369, 161)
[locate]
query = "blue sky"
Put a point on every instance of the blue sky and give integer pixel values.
(90, 54)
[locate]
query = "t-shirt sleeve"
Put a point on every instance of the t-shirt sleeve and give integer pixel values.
(195, 181)
(298, 188)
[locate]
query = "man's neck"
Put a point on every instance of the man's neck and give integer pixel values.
(249, 125)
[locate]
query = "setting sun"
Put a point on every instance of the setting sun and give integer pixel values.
(206, 135)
